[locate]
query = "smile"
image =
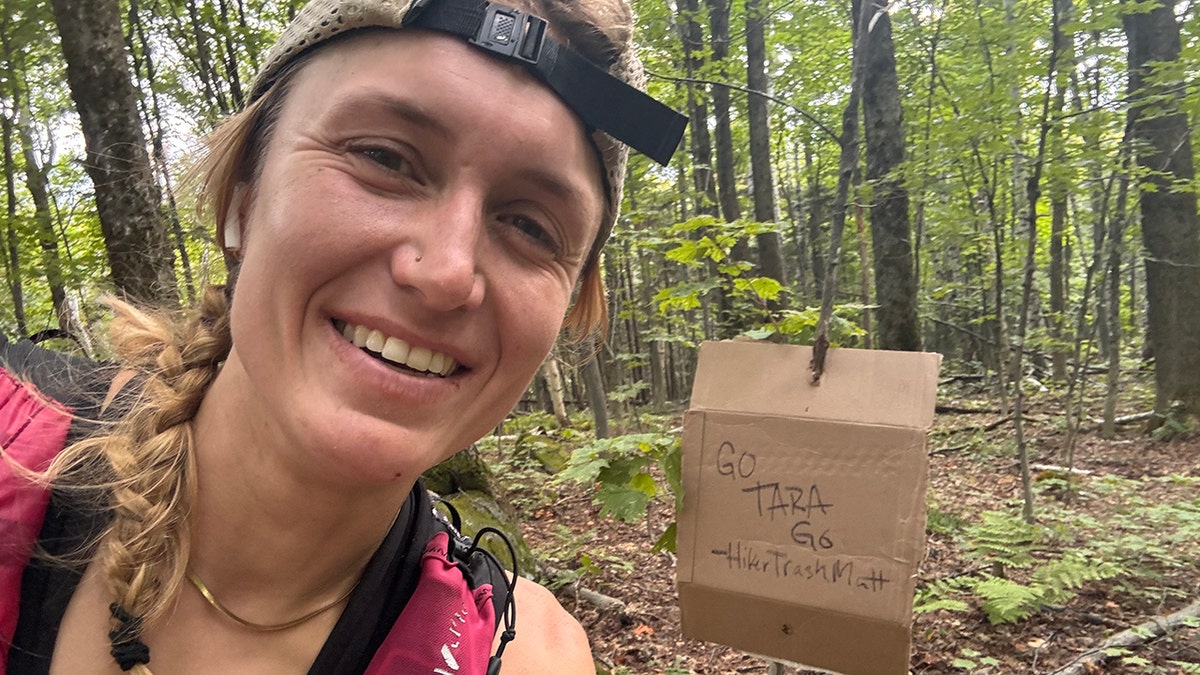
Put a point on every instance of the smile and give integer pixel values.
(397, 352)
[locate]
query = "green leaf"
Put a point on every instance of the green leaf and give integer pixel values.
(764, 287)
(666, 542)
(644, 482)
(622, 502)
(759, 333)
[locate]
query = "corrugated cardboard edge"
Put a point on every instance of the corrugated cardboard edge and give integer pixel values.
(896, 388)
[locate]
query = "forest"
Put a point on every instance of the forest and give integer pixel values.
(1009, 183)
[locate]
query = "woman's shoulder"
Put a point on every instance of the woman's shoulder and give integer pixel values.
(549, 639)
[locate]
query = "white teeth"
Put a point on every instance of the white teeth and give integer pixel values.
(395, 349)
(400, 352)
(375, 341)
(418, 358)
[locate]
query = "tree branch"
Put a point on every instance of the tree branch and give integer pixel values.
(806, 115)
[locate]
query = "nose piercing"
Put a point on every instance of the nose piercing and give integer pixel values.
(418, 257)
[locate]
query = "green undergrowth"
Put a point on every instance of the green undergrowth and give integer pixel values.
(1127, 539)
(534, 460)
(1112, 535)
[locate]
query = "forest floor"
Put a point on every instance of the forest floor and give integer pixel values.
(1136, 510)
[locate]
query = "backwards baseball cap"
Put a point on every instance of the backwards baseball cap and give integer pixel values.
(609, 99)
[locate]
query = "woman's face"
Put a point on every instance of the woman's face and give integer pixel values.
(437, 202)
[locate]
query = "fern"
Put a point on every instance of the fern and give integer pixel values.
(1062, 577)
(942, 522)
(1002, 539)
(944, 594)
(1006, 601)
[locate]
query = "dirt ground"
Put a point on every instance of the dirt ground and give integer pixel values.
(972, 470)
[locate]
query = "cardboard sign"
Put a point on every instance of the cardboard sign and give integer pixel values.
(803, 517)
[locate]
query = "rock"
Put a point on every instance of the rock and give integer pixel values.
(479, 510)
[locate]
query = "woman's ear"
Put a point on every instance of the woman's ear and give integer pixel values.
(231, 231)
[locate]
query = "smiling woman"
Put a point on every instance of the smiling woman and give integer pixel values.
(410, 203)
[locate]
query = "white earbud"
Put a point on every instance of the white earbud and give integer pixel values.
(233, 221)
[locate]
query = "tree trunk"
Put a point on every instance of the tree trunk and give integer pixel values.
(883, 127)
(816, 218)
(231, 61)
(1058, 184)
(127, 198)
(554, 383)
(1170, 222)
(770, 254)
(718, 17)
(1116, 243)
(208, 76)
(154, 122)
(12, 259)
(1058, 304)
(692, 39)
(597, 398)
(864, 277)
(36, 182)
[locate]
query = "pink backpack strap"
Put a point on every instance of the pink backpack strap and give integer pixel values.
(446, 628)
(33, 430)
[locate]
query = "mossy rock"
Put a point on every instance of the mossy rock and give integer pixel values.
(462, 472)
(552, 456)
(479, 510)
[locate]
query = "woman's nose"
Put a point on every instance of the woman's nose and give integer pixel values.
(439, 260)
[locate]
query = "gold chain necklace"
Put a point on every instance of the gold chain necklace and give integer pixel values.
(272, 627)
(262, 627)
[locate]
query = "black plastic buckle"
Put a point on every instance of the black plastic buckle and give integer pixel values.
(511, 33)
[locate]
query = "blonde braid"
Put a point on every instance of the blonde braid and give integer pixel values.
(147, 465)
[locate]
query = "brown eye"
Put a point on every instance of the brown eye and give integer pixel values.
(389, 160)
(534, 230)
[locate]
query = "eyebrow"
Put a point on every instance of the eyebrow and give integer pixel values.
(565, 191)
(396, 107)
(410, 112)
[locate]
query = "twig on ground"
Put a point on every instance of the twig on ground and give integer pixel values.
(1140, 634)
(1127, 419)
(600, 601)
(949, 379)
(992, 426)
(941, 409)
(1060, 469)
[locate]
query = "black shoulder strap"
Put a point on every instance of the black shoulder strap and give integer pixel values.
(387, 583)
(75, 381)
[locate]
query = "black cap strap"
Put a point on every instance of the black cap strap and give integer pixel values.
(602, 101)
